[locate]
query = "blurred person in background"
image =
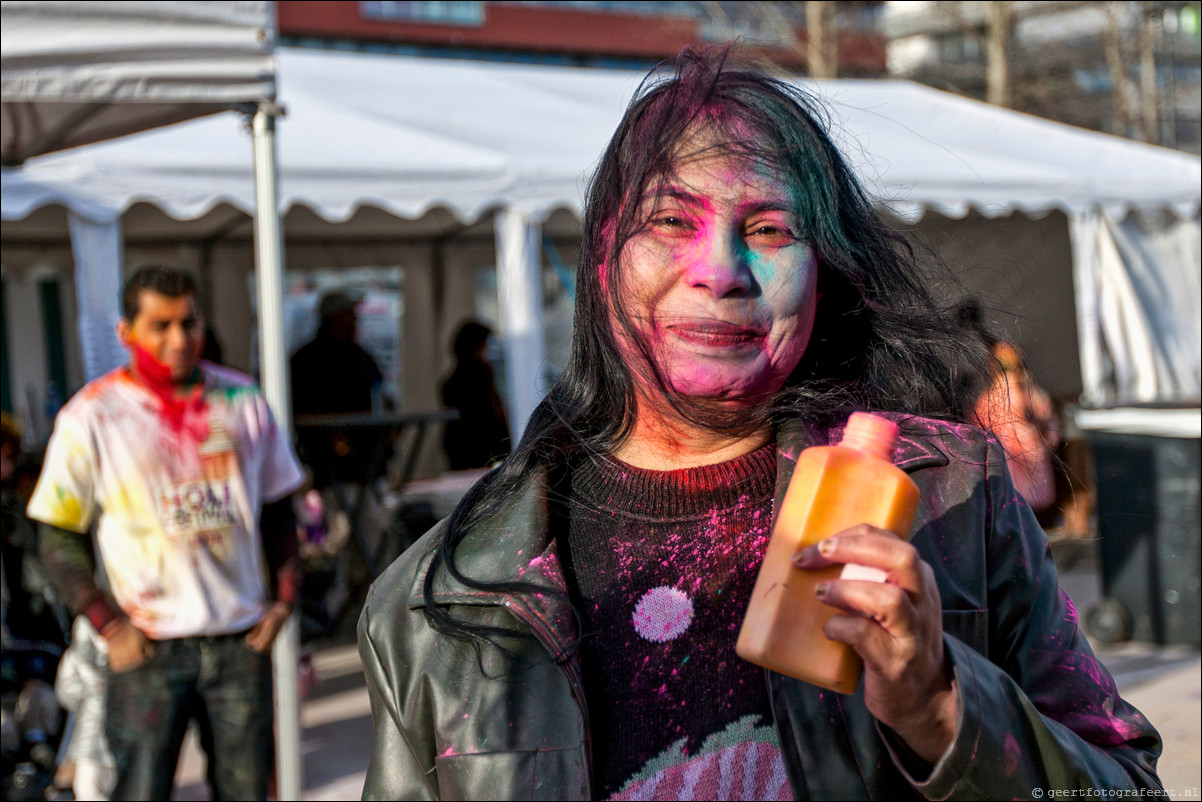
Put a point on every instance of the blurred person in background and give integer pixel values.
(480, 435)
(32, 610)
(332, 373)
(32, 630)
(569, 632)
(183, 470)
(1017, 410)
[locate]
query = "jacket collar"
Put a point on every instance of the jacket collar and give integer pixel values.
(514, 546)
(511, 546)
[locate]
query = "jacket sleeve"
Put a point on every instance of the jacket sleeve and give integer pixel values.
(402, 755)
(1041, 712)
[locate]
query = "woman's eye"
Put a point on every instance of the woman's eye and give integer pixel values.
(670, 222)
(770, 234)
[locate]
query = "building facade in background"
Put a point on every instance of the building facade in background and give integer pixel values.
(595, 33)
(1128, 68)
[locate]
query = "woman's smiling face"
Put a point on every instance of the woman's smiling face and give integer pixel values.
(718, 281)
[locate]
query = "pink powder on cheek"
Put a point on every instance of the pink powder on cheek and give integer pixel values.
(609, 231)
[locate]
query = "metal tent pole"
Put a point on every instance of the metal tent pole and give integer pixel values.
(520, 297)
(269, 271)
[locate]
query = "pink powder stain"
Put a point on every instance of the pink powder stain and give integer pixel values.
(1071, 615)
(546, 567)
(663, 614)
(1090, 707)
(1012, 754)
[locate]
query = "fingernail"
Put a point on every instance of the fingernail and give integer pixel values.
(805, 555)
(825, 547)
(822, 588)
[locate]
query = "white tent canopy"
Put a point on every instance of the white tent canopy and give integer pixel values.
(75, 73)
(79, 72)
(408, 135)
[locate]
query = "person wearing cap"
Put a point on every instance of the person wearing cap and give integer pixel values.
(332, 373)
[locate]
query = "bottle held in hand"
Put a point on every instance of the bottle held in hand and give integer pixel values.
(833, 488)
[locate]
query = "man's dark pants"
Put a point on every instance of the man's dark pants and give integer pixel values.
(218, 677)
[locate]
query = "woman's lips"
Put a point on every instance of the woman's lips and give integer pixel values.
(715, 334)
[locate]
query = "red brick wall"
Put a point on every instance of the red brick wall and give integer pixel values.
(548, 30)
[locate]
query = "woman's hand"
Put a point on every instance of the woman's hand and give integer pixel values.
(896, 627)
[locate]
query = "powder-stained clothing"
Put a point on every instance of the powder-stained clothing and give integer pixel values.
(662, 566)
(1035, 708)
(177, 497)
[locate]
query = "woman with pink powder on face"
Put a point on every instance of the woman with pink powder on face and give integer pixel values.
(569, 631)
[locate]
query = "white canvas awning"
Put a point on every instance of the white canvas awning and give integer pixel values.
(407, 134)
(74, 73)
(79, 72)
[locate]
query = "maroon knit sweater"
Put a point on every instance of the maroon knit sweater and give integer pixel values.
(663, 564)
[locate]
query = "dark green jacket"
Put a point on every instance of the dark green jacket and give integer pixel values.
(1035, 709)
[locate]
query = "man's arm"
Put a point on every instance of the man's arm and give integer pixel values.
(277, 525)
(71, 565)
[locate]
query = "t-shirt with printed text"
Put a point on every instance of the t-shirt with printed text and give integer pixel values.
(178, 493)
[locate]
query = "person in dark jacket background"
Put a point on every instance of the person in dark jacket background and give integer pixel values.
(332, 375)
(480, 436)
(569, 632)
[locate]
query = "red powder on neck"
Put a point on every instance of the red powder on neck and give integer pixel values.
(183, 408)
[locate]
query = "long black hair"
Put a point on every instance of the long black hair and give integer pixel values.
(879, 340)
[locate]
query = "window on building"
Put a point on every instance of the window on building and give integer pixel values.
(447, 12)
(958, 48)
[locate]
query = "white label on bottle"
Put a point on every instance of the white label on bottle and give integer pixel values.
(862, 573)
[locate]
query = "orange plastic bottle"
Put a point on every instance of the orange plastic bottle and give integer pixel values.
(833, 488)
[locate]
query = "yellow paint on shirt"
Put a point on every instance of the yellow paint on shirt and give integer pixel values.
(69, 509)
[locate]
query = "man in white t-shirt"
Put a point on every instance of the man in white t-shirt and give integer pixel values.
(187, 478)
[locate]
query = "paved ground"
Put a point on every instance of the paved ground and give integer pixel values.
(1162, 681)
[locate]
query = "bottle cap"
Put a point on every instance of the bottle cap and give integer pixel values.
(870, 434)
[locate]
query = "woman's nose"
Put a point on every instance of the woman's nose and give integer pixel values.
(720, 266)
